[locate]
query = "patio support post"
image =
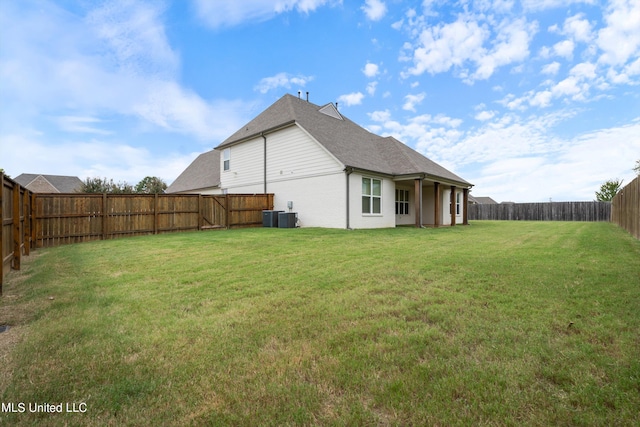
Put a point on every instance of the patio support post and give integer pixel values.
(452, 202)
(436, 195)
(465, 204)
(418, 201)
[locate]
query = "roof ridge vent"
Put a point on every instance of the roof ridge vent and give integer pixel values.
(331, 111)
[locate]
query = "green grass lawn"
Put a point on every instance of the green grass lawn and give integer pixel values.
(498, 323)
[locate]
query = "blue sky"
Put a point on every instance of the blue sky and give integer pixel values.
(529, 100)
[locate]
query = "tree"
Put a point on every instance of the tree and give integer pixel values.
(102, 185)
(151, 185)
(608, 190)
(637, 168)
(5, 174)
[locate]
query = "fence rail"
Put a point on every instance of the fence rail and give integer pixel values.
(551, 211)
(35, 220)
(626, 208)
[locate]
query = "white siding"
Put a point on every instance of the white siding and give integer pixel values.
(320, 201)
(298, 170)
(291, 154)
(387, 216)
(246, 166)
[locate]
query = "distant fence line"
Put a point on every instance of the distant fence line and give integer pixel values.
(626, 208)
(34, 220)
(549, 211)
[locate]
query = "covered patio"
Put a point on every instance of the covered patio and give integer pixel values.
(425, 202)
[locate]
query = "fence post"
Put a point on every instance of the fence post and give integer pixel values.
(104, 216)
(34, 222)
(26, 210)
(1, 232)
(155, 213)
(200, 213)
(227, 204)
(16, 227)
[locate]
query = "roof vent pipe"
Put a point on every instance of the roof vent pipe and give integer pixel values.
(307, 96)
(336, 105)
(299, 93)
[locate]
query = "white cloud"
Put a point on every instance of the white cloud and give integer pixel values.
(285, 80)
(538, 5)
(519, 158)
(77, 124)
(228, 13)
(374, 9)
(371, 88)
(88, 158)
(410, 101)
(371, 70)
(578, 28)
(115, 62)
(468, 42)
(380, 116)
(446, 45)
(510, 45)
(485, 115)
(551, 68)
(620, 39)
(354, 98)
(564, 48)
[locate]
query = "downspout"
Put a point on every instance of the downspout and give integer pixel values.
(265, 161)
(348, 172)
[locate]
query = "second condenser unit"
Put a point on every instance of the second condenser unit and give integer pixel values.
(287, 219)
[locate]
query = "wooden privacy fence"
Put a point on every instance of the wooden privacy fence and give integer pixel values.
(75, 218)
(626, 208)
(35, 220)
(15, 229)
(551, 211)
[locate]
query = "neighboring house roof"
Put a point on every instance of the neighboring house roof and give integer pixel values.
(49, 183)
(348, 142)
(203, 172)
(483, 200)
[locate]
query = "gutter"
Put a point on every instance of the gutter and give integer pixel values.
(265, 161)
(348, 171)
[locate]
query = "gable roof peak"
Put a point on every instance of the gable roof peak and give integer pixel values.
(331, 111)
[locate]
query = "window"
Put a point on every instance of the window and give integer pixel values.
(371, 196)
(458, 203)
(226, 157)
(402, 202)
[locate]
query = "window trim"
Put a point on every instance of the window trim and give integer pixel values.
(226, 159)
(372, 196)
(458, 203)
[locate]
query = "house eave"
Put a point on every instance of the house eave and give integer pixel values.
(256, 134)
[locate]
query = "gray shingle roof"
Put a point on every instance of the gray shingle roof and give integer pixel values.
(203, 172)
(62, 183)
(351, 144)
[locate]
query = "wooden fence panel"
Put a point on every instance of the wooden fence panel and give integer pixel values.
(67, 218)
(178, 213)
(246, 210)
(15, 225)
(553, 211)
(214, 212)
(626, 208)
(74, 218)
